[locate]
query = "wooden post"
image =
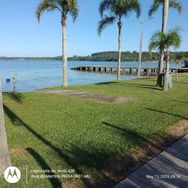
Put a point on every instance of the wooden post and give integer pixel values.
(147, 72)
(130, 71)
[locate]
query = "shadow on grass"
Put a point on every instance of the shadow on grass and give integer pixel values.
(55, 182)
(17, 97)
(74, 156)
(107, 83)
(131, 135)
(182, 82)
(95, 158)
(144, 86)
(167, 113)
(183, 102)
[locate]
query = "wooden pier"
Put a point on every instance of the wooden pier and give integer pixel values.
(125, 69)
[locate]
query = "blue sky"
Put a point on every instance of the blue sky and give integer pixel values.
(22, 35)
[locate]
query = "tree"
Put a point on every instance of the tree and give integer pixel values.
(165, 41)
(65, 8)
(116, 9)
(176, 4)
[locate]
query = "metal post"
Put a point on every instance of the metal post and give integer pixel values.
(177, 75)
(140, 50)
(14, 83)
(141, 42)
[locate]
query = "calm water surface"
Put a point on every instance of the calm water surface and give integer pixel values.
(36, 74)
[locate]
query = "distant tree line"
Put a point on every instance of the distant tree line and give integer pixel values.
(112, 56)
(127, 56)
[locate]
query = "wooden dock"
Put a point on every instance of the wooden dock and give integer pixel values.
(125, 69)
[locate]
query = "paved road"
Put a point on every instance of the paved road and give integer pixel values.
(4, 154)
(168, 170)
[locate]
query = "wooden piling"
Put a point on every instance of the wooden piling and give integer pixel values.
(112, 69)
(147, 72)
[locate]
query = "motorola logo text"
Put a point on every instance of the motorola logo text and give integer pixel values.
(12, 174)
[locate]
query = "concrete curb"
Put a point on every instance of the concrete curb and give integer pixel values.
(4, 154)
(168, 169)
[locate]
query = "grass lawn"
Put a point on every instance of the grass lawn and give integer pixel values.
(50, 131)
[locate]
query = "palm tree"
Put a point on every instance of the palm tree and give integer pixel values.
(65, 8)
(117, 9)
(165, 41)
(176, 4)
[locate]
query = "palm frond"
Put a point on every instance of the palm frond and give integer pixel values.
(45, 5)
(104, 22)
(157, 41)
(105, 5)
(164, 41)
(135, 6)
(152, 46)
(173, 38)
(154, 7)
(73, 9)
(124, 7)
(176, 4)
(64, 6)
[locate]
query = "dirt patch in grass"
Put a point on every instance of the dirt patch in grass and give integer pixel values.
(121, 165)
(18, 152)
(91, 96)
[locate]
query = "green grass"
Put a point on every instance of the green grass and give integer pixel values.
(62, 132)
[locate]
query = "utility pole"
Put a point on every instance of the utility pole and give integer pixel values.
(141, 44)
(140, 50)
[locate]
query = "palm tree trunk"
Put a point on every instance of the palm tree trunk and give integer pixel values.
(164, 27)
(161, 63)
(165, 15)
(64, 50)
(165, 87)
(119, 48)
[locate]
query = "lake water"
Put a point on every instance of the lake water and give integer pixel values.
(36, 74)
